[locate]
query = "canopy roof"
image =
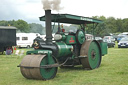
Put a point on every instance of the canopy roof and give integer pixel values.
(71, 19)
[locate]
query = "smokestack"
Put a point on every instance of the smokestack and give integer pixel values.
(48, 6)
(48, 26)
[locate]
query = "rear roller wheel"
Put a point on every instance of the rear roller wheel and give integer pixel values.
(30, 67)
(91, 51)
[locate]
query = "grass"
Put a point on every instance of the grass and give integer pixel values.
(113, 71)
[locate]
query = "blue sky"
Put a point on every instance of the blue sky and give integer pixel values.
(31, 10)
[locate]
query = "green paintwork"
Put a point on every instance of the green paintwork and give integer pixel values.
(70, 39)
(73, 56)
(103, 47)
(39, 52)
(81, 36)
(94, 61)
(63, 37)
(63, 49)
(50, 59)
(48, 73)
(71, 19)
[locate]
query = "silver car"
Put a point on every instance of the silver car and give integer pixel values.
(98, 38)
(123, 43)
(110, 41)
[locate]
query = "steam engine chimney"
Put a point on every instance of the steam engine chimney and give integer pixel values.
(48, 27)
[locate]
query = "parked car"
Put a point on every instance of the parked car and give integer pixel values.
(98, 38)
(120, 37)
(110, 41)
(123, 42)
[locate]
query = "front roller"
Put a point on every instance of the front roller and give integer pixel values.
(92, 54)
(31, 67)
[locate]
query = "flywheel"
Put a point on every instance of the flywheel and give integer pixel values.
(80, 36)
(92, 54)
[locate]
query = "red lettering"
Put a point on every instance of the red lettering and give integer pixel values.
(71, 41)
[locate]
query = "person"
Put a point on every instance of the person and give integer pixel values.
(9, 50)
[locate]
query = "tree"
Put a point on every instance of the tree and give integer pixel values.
(37, 28)
(119, 25)
(125, 25)
(22, 25)
(3, 23)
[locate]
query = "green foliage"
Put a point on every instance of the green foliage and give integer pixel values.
(109, 25)
(36, 28)
(125, 24)
(22, 25)
(119, 24)
(3, 23)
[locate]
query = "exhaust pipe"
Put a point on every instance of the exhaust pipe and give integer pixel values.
(48, 26)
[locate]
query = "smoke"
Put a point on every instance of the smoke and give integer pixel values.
(51, 5)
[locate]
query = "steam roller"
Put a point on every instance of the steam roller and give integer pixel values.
(65, 49)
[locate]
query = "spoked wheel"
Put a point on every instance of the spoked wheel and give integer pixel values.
(91, 51)
(31, 67)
